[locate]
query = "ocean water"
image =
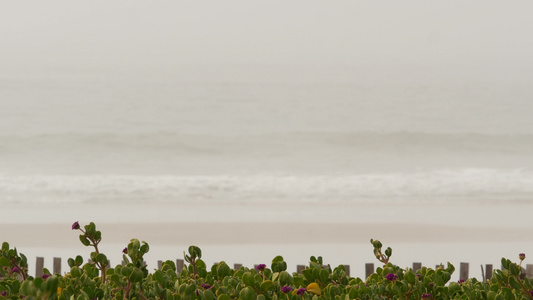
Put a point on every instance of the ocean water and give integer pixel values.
(262, 135)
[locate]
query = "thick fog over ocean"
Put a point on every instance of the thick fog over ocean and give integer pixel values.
(189, 102)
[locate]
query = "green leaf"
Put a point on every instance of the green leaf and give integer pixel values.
(223, 270)
(277, 259)
(28, 288)
(126, 271)
(200, 264)
(84, 240)
(248, 279)
(410, 277)
(453, 288)
(50, 285)
(514, 283)
(137, 275)
(285, 278)
(388, 252)
(5, 246)
(145, 248)
(246, 294)
(267, 285)
(71, 263)
(505, 263)
(515, 269)
(75, 272)
(102, 259)
(324, 276)
(158, 276)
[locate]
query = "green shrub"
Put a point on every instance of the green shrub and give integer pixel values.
(97, 280)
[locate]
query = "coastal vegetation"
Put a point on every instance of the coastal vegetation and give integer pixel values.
(133, 280)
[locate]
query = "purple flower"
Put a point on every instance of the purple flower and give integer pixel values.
(390, 276)
(3, 293)
(460, 281)
(44, 276)
(522, 256)
(206, 286)
(260, 267)
(286, 289)
(300, 292)
(425, 296)
(15, 270)
(125, 250)
(76, 225)
(531, 293)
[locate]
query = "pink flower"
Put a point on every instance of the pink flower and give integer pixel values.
(76, 225)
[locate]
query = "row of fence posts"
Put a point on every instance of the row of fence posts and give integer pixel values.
(369, 268)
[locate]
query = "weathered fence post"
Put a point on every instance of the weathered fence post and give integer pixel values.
(159, 264)
(57, 265)
(237, 266)
(300, 268)
(39, 266)
(417, 266)
(463, 271)
(347, 270)
(180, 264)
(369, 269)
(529, 271)
(488, 271)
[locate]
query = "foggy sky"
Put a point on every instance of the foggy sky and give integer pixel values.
(490, 39)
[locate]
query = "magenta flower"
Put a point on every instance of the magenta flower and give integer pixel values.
(390, 276)
(44, 276)
(260, 267)
(15, 270)
(76, 225)
(125, 250)
(206, 286)
(286, 289)
(522, 256)
(460, 281)
(300, 292)
(425, 296)
(3, 293)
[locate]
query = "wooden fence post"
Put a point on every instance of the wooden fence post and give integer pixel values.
(180, 264)
(369, 269)
(159, 264)
(300, 268)
(347, 270)
(237, 266)
(57, 265)
(417, 266)
(463, 271)
(529, 271)
(488, 271)
(39, 266)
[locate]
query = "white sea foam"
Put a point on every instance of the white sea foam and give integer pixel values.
(439, 185)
